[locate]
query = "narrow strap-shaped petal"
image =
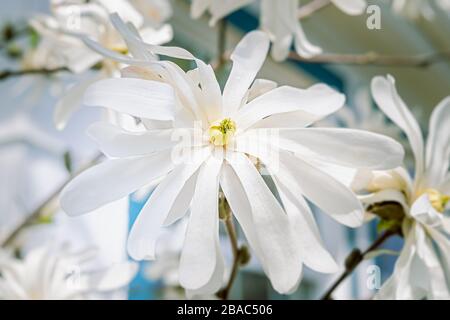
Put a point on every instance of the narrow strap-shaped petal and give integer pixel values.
(319, 187)
(346, 147)
(201, 257)
(386, 96)
(438, 144)
(210, 91)
(117, 142)
(112, 180)
(71, 101)
(140, 98)
(248, 57)
(351, 7)
(149, 224)
(317, 102)
(314, 253)
(129, 36)
(279, 252)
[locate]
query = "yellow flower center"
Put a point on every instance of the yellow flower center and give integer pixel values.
(120, 49)
(220, 132)
(438, 200)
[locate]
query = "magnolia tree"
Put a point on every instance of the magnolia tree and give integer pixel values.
(253, 154)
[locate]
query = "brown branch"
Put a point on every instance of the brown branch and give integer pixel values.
(225, 292)
(17, 73)
(375, 59)
(312, 7)
(354, 259)
(32, 217)
(221, 56)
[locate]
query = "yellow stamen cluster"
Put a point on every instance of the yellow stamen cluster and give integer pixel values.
(438, 200)
(119, 49)
(221, 132)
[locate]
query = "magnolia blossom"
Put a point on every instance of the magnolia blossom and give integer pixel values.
(63, 32)
(46, 275)
(222, 135)
(421, 270)
(279, 19)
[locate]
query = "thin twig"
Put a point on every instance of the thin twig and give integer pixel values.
(221, 57)
(354, 259)
(37, 212)
(375, 59)
(312, 7)
(16, 73)
(225, 292)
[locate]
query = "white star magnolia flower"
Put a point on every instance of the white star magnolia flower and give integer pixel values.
(279, 19)
(46, 275)
(421, 270)
(62, 35)
(221, 131)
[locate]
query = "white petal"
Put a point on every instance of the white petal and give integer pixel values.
(433, 279)
(260, 87)
(423, 211)
(210, 89)
(388, 100)
(279, 252)
(386, 195)
(112, 180)
(140, 98)
(303, 46)
(115, 277)
(162, 35)
(187, 91)
(117, 142)
(71, 102)
(114, 55)
(248, 57)
(130, 37)
(321, 188)
(201, 252)
(279, 19)
(327, 193)
(125, 9)
(314, 103)
(346, 147)
(443, 245)
(438, 144)
(398, 285)
(148, 225)
(314, 254)
(198, 7)
(351, 7)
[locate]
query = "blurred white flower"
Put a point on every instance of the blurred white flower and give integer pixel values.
(415, 9)
(279, 19)
(222, 131)
(62, 34)
(45, 275)
(421, 270)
